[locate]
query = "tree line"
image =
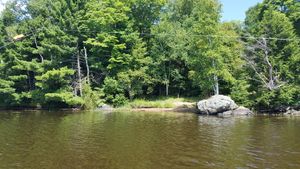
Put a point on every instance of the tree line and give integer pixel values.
(82, 53)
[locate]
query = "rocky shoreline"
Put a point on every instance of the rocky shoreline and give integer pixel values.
(222, 105)
(218, 105)
(292, 112)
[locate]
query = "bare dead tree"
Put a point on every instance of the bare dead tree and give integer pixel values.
(215, 76)
(216, 81)
(79, 74)
(86, 65)
(36, 44)
(266, 73)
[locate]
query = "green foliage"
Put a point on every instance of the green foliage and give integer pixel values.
(113, 92)
(81, 53)
(6, 92)
(62, 98)
(119, 100)
(170, 55)
(240, 93)
(54, 88)
(55, 79)
(91, 98)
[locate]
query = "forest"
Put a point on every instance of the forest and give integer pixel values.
(83, 53)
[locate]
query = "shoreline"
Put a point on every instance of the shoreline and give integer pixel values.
(176, 110)
(154, 110)
(175, 106)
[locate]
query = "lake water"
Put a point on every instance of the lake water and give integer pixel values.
(124, 140)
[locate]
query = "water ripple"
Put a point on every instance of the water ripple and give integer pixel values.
(145, 141)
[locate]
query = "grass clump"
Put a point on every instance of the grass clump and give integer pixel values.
(140, 103)
(156, 103)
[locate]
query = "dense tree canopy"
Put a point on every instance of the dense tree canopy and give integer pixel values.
(81, 53)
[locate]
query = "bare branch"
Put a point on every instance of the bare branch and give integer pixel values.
(271, 82)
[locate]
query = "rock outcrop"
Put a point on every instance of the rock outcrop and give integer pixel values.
(220, 104)
(216, 104)
(240, 111)
(292, 113)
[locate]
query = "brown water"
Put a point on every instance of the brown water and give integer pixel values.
(88, 140)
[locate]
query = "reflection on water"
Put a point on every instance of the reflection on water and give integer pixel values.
(120, 140)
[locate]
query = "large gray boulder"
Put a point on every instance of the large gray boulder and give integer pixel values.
(216, 104)
(240, 111)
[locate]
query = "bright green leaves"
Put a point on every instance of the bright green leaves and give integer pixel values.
(6, 92)
(119, 48)
(240, 92)
(105, 40)
(55, 79)
(190, 32)
(55, 90)
(114, 93)
(145, 14)
(170, 53)
(62, 99)
(105, 12)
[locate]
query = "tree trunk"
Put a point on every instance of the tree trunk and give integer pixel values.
(215, 78)
(166, 84)
(130, 93)
(271, 75)
(167, 89)
(216, 81)
(79, 74)
(160, 90)
(36, 45)
(29, 81)
(216, 85)
(87, 66)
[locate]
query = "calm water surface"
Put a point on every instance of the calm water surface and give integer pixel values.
(123, 140)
